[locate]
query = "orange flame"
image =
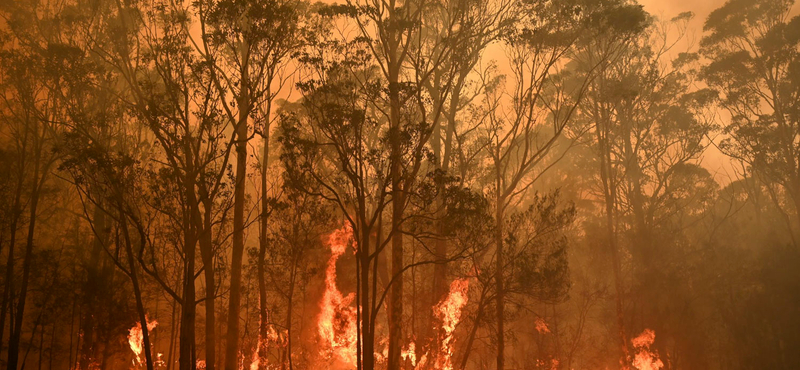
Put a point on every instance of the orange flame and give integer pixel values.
(410, 354)
(273, 338)
(337, 318)
(541, 326)
(645, 359)
(449, 312)
(136, 339)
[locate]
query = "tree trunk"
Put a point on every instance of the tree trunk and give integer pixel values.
(396, 297)
(499, 295)
(262, 252)
(609, 192)
(367, 323)
(186, 348)
(16, 332)
(91, 290)
(207, 254)
(16, 212)
(137, 293)
(234, 307)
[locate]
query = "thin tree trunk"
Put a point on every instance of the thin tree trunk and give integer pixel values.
(396, 297)
(172, 336)
(186, 348)
(234, 307)
(262, 251)
(91, 287)
(499, 267)
(207, 254)
(474, 331)
(367, 323)
(609, 192)
(137, 294)
(16, 332)
(16, 212)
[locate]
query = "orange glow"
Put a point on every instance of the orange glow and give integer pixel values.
(645, 359)
(410, 354)
(136, 339)
(448, 312)
(337, 318)
(541, 326)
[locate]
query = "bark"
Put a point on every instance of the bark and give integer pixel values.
(609, 193)
(367, 347)
(262, 253)
(186, 348)
(396, 298)
(474, 331)
(234, 307)
(91, 289)
(207, 254)
(137, 293)
(16, 332)
(16, 212)
(499, 267)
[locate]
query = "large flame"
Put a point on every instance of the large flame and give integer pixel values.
(136, 339)
(337, 318)
(448, 312)
(645, 359)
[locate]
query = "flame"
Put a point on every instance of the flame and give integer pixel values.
(448, 311)
(410, 354)
(337, 318)
(273, 337)
(645, 359)
(541, 326)
(136, 339)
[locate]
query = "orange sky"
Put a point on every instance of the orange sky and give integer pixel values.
(720, 166)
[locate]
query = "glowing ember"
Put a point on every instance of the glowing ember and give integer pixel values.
(136, 339)
(541, 326)
(646, 359)
(449, 312)
(273, 339)
(337, 319)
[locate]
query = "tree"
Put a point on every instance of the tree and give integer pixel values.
(754, 66)
(246, 45)
(522, 129)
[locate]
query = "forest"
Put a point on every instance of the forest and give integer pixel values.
(399, 185)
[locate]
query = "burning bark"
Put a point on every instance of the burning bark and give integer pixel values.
(337, 327)
(136, 339)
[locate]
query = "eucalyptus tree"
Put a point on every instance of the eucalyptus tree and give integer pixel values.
(754, 65)
(169, 91)
(521, 136)
(247, 46)
(647, 125)
(31, 117)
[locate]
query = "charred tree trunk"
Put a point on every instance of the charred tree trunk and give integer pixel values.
(186, 348)
(499, 267)
(15, 214)
(19, 314)
(91, 291)
(396, 298)
(234, 306)
(262, 253)
(207, 254)
(609, 193)
(367, 336)
(137, 293)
